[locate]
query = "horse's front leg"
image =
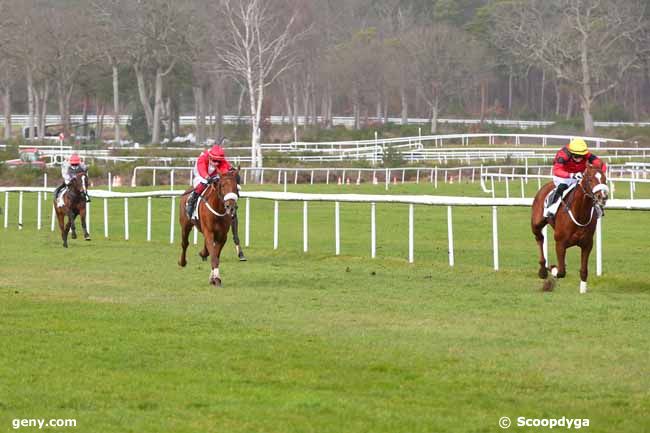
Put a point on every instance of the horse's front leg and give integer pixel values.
(585, 250)
(214, 248)
(186, 228)
(235, 237)
(560, 250)
(539, 237)
(82, 215)
(73, 228)
(63, 227)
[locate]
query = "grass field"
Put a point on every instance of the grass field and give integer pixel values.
(113, 334)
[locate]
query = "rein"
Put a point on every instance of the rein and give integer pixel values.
(591, 195)
(228, 196)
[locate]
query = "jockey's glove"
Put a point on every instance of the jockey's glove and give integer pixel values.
(576, 175)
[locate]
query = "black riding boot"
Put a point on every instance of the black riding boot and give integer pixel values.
(559, 191)
(58, 190)
(191, 204)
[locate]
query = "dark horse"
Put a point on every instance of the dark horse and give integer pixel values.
(574, 223)
(74, 200)
(216, 209)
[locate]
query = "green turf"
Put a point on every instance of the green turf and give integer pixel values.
(114, 334)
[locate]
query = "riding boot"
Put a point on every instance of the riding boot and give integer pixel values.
(557, 195)
(87, 197)
(191, 204)
(58, 190)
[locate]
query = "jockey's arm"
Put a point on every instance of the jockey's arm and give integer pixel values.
(202, 166)
(597, 162)
(560, 171)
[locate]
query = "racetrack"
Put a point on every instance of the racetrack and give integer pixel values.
(114, 334)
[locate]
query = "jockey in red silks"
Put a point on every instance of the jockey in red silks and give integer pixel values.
(69, 169)
(212, 163)
(568, 165)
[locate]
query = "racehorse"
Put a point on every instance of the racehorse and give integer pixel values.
(574, 223)
(74, 199)
(216, 210)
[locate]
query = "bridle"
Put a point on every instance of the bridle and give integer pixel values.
(221, 198)
(591, 194)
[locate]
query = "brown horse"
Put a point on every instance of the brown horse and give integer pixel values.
(74, 200)
(574, 223)
(216, 210)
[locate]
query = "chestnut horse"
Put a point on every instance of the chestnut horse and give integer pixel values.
(216, 210)
(574, 223)
(74, 200)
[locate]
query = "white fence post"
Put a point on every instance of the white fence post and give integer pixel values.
(411, 259)
(305, 228)
(450, 236)
(148, 219)
(275, 224)
(247, 223)
(495, 238)
(545, 246)
(106, 218)
(53, 217)
(171, 221)
(87, 217)
(126, 219)
(337, 227)
(38, 221)
(599, 247)
(20, 210)
(6, 209)
(373, 231)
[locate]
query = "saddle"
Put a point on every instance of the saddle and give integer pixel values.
(59, 197)
(195, 213)
(552, 192)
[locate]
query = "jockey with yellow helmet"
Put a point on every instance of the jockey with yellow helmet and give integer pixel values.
(569, 164)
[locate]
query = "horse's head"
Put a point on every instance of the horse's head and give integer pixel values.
(227, 190)
(79, 182)
(594, 183)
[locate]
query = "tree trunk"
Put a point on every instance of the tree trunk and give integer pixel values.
(510, 74)
(158, 102)
(541, 97)
(200, 113)
(218, 109)
(355, 107)
(116, 105)
(84, 117)
(30, 103)
(588, 118)
(144, 97)
(569, 107)
(378, 108)
(37, 108)
(45, 93)
(101, 110)
(483, 99)
(404, 101)
(6, 102)
(434, 117)
(558, 97)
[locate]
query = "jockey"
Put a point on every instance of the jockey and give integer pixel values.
(68, 171)
(568, 165)
(211, 163)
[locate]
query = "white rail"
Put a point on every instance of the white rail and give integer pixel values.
(337, 199)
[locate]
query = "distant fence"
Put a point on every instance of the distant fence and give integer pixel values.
(22, 119)
(336, 199)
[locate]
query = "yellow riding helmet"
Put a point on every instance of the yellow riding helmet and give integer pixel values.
(578, 146)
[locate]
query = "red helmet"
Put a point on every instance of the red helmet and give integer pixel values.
(74, 159)
(216, 153)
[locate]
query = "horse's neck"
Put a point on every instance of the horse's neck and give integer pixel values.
(581, 203)
(211, 196)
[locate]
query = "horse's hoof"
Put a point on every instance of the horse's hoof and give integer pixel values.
(216, 282)
(182, 263)
(65, 245)
(73, 236)
(242, 258)
(87, 238)
(543, 273)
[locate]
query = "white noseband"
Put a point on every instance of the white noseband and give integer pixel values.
(600, 187)
(230, 196)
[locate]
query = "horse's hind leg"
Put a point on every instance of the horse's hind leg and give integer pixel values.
(186, 228)
(585, 250)
(539, 237)
(60, 217)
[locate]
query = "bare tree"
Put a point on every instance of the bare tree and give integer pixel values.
(445, 59)
(254, 48)
(589, 44)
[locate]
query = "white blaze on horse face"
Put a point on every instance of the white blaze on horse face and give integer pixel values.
(230, 196)
(583, 287)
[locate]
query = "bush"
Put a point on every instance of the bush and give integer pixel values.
(137, 127)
